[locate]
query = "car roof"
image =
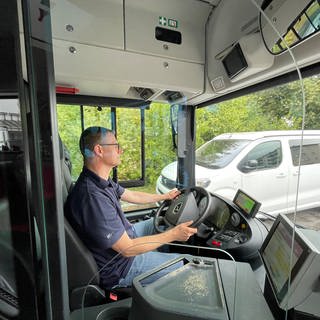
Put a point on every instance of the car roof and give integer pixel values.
(262, 134)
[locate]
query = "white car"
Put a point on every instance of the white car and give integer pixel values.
(264, 164)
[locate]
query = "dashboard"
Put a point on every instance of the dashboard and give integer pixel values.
(227, 227)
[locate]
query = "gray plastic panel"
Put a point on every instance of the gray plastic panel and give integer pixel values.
(242, 291)
(193, 291)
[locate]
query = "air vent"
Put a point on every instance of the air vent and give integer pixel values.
(172, 96)
(144, 93)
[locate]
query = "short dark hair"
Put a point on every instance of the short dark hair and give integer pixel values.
(90, 137)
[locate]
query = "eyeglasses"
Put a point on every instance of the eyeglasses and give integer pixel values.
(111, 144)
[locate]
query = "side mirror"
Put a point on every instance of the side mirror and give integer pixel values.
(250, 165)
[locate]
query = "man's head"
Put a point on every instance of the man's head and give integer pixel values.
(98, 143)
(90, 137)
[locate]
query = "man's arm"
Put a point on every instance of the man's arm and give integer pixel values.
(143, 197)
(132, 247)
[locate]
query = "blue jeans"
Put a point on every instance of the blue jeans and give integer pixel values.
(146, 261)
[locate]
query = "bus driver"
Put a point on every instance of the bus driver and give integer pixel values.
(93, 210)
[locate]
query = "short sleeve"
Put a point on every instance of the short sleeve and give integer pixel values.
(102, 223)
(119, 190)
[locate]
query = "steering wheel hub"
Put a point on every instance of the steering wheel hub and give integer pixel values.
(183, 208)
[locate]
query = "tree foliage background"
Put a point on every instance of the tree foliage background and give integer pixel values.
(279, 108)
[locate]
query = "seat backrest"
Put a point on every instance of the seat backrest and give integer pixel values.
(82, 267)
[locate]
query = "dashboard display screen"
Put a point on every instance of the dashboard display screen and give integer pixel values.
(220, 213)
(247, 205)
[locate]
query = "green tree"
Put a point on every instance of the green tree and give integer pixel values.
(285, 103)
(69, 126)
(237, 115)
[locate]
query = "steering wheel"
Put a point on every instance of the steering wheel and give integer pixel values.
(192, 204)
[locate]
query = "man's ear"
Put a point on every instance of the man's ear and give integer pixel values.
(97, 150)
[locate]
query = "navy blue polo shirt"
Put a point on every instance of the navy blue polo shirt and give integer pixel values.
(93, 210)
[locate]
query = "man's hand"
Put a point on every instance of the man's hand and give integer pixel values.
(182, 232)
(172, 194)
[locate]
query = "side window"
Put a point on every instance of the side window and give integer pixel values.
(72, 119)
(310, 151)
(266, 155)
(144, 134)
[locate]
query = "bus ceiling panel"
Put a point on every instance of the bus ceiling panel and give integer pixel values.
(306, 72)
(167, 28)
(95, 22)
(101, 71)
(234, 48)
(132, 25)
(283, 71)
(236, 54)
(306, 54)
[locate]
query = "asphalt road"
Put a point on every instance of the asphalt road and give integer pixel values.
(310, 219)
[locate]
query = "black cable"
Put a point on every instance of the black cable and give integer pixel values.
(267, 215)
(262, 222)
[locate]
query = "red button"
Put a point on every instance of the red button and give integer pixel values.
(113, 296)
(216, 243)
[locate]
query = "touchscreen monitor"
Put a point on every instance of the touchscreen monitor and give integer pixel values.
(291, 258)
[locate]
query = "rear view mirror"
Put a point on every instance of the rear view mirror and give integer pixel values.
(294, 21)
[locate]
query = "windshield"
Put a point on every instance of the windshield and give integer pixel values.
(216, 154)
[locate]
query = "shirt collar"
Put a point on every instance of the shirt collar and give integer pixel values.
(102, 183)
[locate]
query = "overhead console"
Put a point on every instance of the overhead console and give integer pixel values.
(235, 51)
(243, 49)
(152, 50)
(246, 57)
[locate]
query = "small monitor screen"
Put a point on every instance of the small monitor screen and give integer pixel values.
(246, 204)
(234, 62)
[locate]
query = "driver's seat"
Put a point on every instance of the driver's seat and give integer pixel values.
(83, 273)
(82, 268)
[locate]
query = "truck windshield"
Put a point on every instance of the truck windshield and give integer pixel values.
(216, 154)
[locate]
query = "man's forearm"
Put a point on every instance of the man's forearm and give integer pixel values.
(147, 243)
(142, 197)
(131, 247)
